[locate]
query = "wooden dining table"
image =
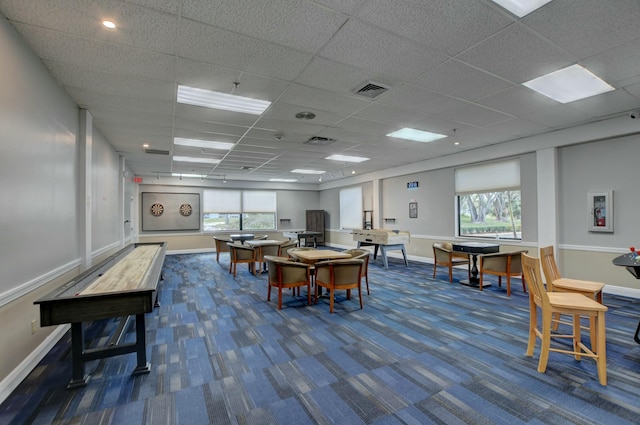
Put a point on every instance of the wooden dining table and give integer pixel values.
(314, 255)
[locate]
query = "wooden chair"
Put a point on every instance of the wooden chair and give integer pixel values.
(362, 254)
(339, 275)
(284, 273)
(444, 255)
(569, 303)
(263, 250)
(240, 253)
(502, 264)
(221, 246)
(557, 283)
(284, 247)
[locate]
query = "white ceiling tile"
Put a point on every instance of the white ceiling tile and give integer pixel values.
(517, 100)
(453, 25)
(313, 98)
(456, 79)
(517, 55)
(419, 100)
(300, 25)
(616, 65)
(367, 47)
(205, 43)
(474, 115)
(587, 27)
(107, 57)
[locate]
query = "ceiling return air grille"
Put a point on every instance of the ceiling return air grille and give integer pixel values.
(319, 141)
(370, 89)
(156, 152)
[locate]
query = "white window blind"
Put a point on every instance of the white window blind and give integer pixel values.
(221, 201)
(351, 208)
(493, 177)
(258, 201)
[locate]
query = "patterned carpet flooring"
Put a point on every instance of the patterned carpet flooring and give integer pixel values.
(422, 351)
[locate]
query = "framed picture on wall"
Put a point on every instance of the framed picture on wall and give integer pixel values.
(600, 206)
(413, 210)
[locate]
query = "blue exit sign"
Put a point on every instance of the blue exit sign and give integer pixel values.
(412, 185)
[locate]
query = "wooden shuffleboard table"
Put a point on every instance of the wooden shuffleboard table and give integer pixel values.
(123, 285)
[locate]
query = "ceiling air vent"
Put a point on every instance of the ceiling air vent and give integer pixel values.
(156, 152)
(319, 141)
(370, 89)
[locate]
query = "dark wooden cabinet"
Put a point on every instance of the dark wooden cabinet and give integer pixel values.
(315, 223)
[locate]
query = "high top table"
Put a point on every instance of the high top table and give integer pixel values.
(632, 263)
(473, 249)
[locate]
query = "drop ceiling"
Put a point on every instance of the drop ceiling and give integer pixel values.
(454, 67)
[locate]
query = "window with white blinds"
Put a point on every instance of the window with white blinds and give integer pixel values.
(239, 210)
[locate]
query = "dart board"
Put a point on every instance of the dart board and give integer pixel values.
(186, 210)
(157, 209)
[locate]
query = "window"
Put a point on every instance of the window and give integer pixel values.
(238, 210)
(489, 200)
(351, 208)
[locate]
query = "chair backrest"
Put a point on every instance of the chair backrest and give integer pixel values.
(221, 244)
(285, 246)
(343, 272)
(358, 253)
(549, 265)
(241, 252)
(283, 271)
(503, 262)
(270, 249)
(531, 271)
(442, 252)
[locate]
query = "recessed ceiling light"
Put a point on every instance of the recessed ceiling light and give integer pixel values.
(416, 135)
(205, 144)
(224, 101)
(109, 24)
(145, 146)
(521, 8)
(196, 159)
(569, 84)
(283, 180)
(347, 158)
(302, 171)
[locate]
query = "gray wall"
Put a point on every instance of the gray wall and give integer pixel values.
(600, 166)
(41, 208)
(38, 167)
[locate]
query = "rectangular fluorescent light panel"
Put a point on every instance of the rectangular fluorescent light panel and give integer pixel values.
(569, 84)
(301, 171)
(204, 144)
(283, 180)
(196, 159)
(416, 135)
(199, 176)
(521, 8)
(224, 101)
(347, 158)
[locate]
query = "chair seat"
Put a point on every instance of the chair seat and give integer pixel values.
(584, 286)
(574, 301)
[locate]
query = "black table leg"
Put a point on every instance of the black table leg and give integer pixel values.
(78, 377)
(141, 347)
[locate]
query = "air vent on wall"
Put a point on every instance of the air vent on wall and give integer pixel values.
(319, 141)
(370, 89)
(156, 152)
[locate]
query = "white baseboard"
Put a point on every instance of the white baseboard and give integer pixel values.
(11, 382)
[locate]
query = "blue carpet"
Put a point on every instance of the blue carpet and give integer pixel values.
(422, 351)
